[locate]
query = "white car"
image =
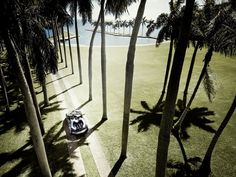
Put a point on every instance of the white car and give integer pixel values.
(76, 123)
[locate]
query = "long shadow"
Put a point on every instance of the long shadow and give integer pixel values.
(83, 104)
(178, 169)
(14, 119)
(59, 78)
(80, 140)
(116, 167)
(51, 108)
(56, 95)
(56, 150)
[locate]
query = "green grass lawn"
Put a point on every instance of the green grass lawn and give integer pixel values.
(149, 72)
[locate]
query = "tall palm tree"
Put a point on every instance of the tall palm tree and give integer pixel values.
(172, 91)
(205, 168)
(90, 76)
(84, 8)
(70, 49)
(129, 77)
(144, 22)
(103, 61)
(30, 110)
(10, 11)
(169, 25)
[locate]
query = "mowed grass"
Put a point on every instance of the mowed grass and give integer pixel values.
(149, 71)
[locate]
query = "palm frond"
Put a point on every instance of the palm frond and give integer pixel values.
(209, 84)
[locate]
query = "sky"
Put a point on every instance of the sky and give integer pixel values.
(152, 10)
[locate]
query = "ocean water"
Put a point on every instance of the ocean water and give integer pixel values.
(85, 33)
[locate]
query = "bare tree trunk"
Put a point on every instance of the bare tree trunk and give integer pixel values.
(30, 110)
(77, 42)
(207, 59)
(45, 94)
(71, 58)
(129, 78)
(58, 39)
(63, 39)
(4, 87)
(157, 106)
(103, 62)
(205, 168)
(90, 64)
(172, 91)
(31, 87)
(190, 74)
(55, 38)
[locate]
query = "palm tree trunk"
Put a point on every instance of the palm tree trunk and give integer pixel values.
(205, 168)
(45, 95)
(31, 87)
(77, 42)
(190, 74)
(55, 38)
(103, 62)
(207, 59)
(90, 64)
(63, 39)
(58, 39)
(129, 78)
(68, 36)
(29, 108)
(157, 106)
(172, 91)
(71, 58)
(4, 87)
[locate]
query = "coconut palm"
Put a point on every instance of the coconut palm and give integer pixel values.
(130, 23)
(172, 91)
(205, 168)
(84, 8)
(129, 77)
(144, 22)
(169, 25)
(11, 32)
(90, 57)
(222, 22)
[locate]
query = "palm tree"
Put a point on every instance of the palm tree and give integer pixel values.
(71, 58)
(205, 168)
(129, 77)
(85, 10)
(169, 25)
(130, 23)
(220, 39)
(90, 57)
(30, 110)
(11, 33)
(172, 91)
(144, 21)
(103, 61)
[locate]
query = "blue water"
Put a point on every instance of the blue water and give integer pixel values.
(85, 32)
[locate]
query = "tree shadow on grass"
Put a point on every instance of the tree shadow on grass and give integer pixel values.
(57, 153)
(14, 119)
(55, 106)
(56, 95)
(178, 169)
(196, 116)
